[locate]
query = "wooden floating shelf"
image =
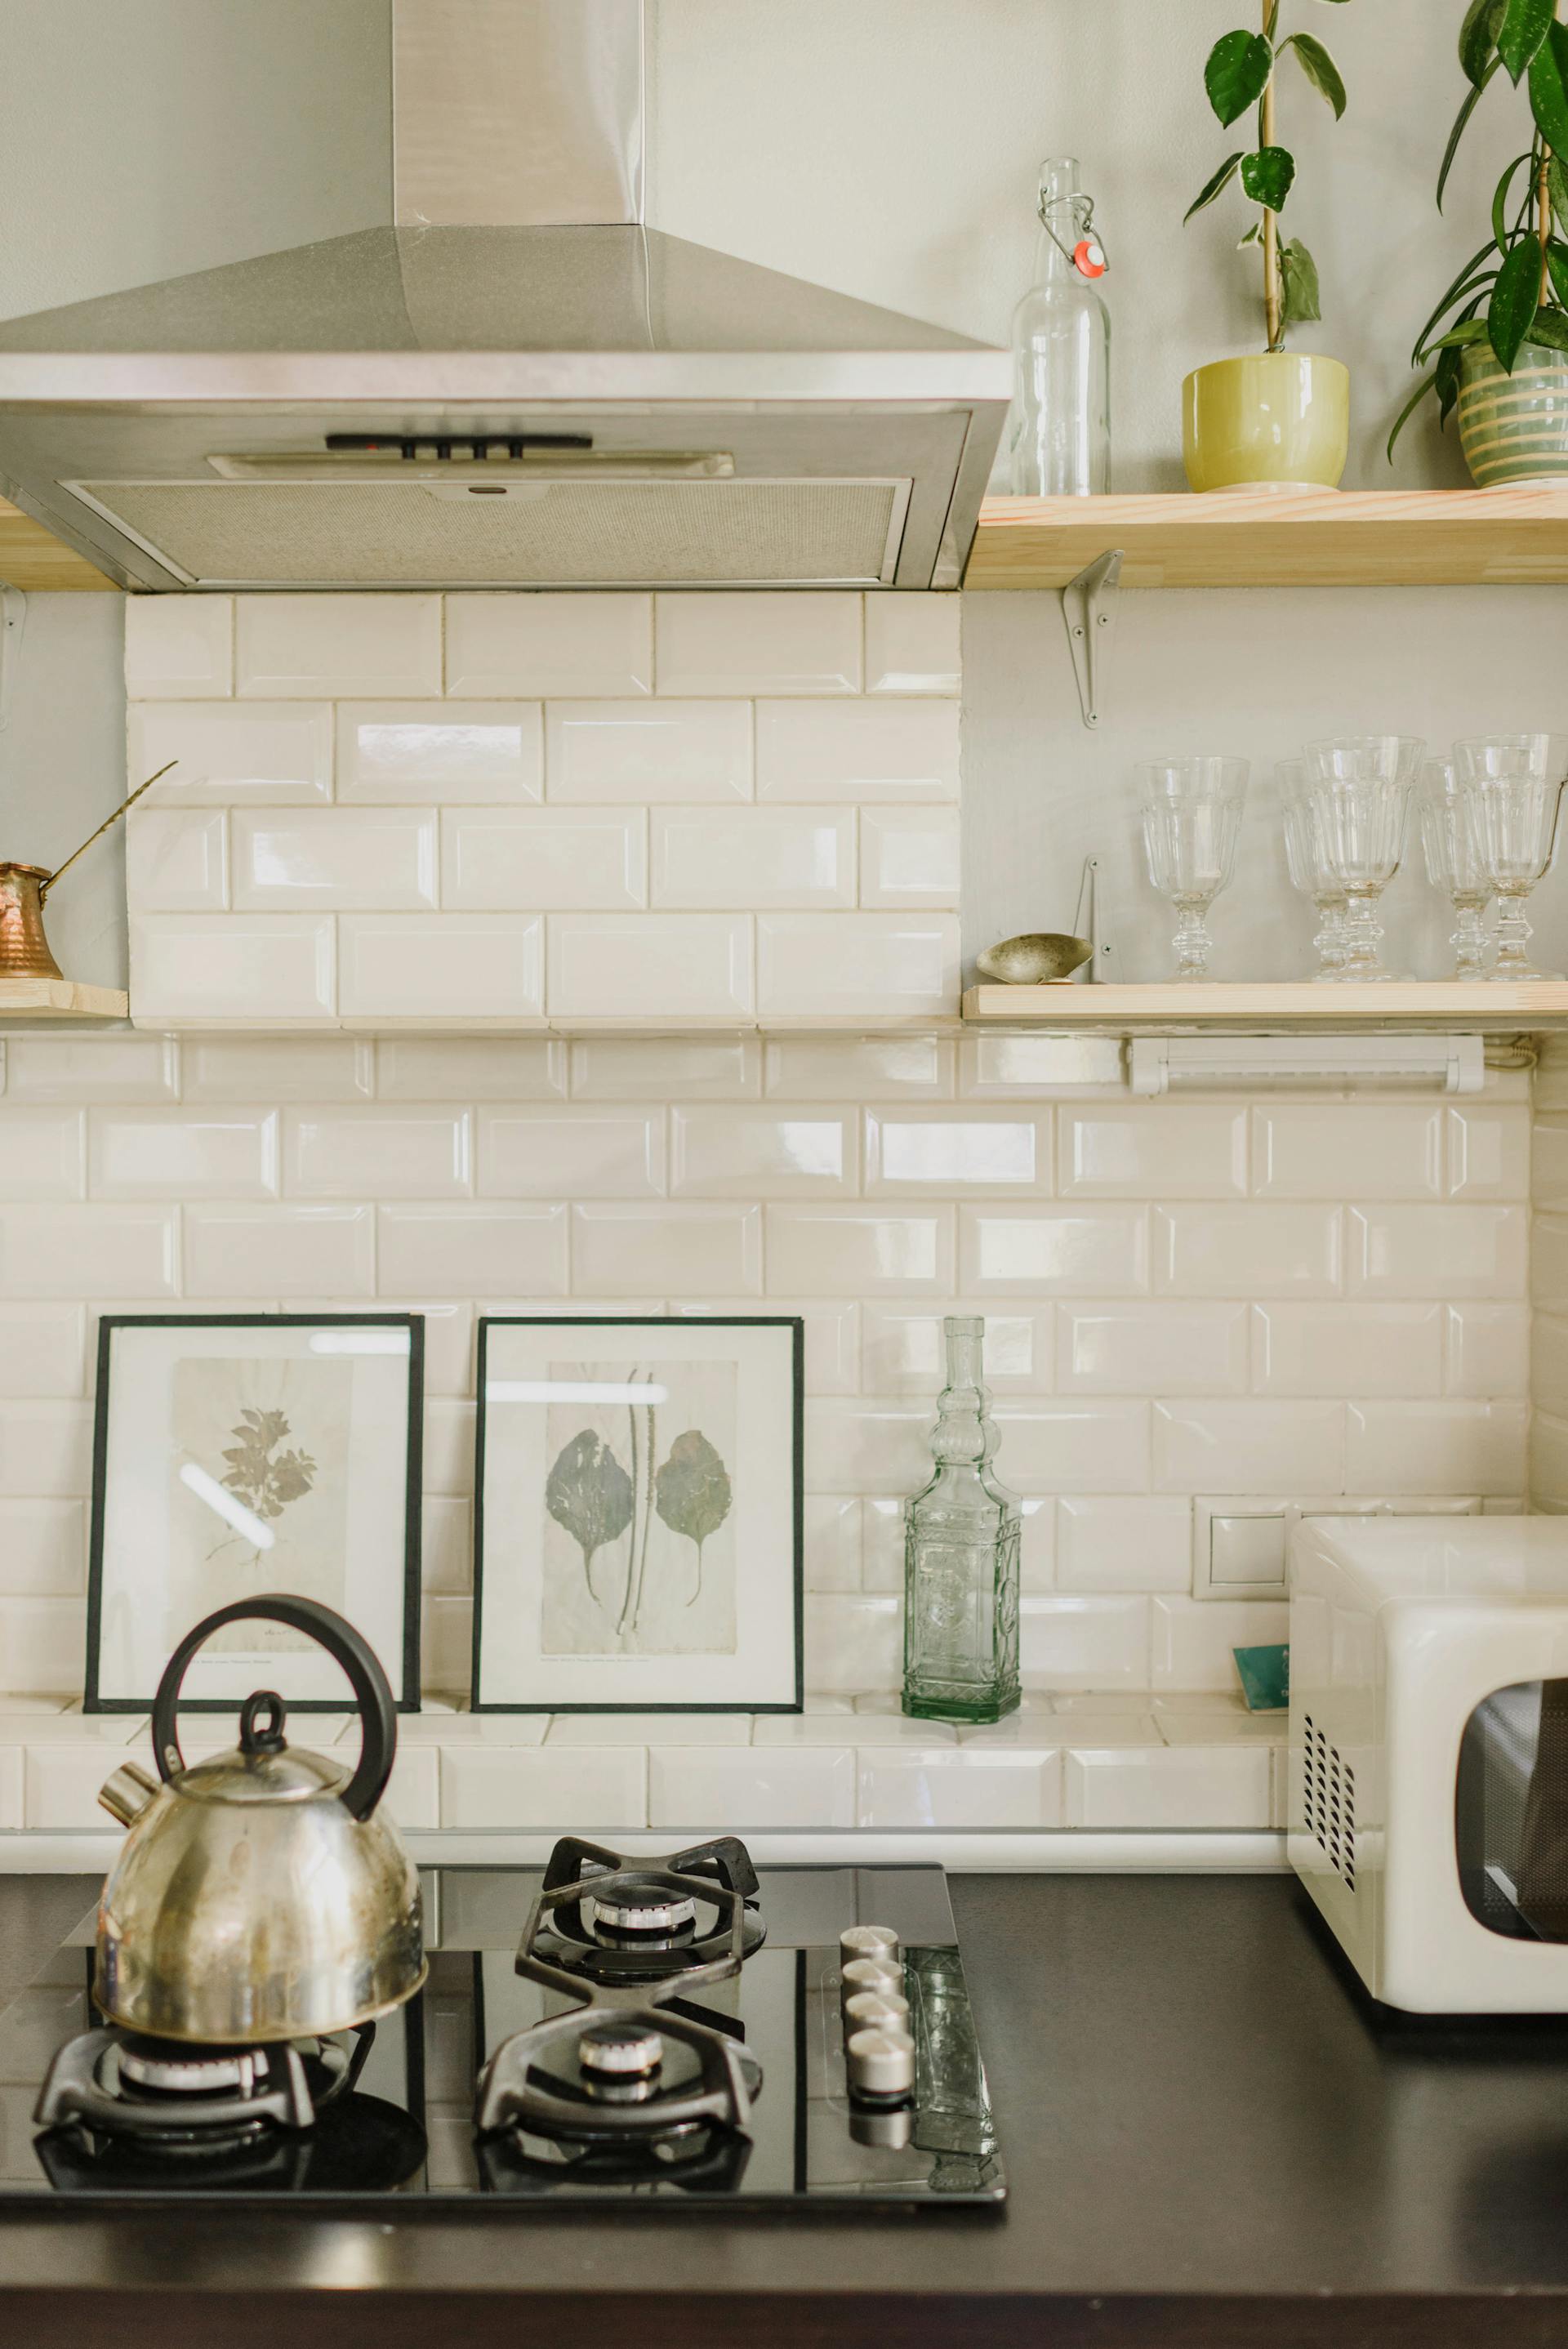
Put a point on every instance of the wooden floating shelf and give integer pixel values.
(1295, 1005)
(34, 558)
(1375, 538)
(58, 998)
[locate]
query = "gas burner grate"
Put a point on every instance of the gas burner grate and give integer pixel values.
(175, 2099)
(612, 1918)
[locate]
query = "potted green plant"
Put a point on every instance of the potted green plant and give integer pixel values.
(1502, 359)
(1281, 420)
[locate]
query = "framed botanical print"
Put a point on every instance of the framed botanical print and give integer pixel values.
(238, 1453)
(637, 1514)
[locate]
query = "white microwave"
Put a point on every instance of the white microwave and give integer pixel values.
(1429, 1755)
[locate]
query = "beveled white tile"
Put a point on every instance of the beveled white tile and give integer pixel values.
(1193, 1638)
(1249, 1447)
(449, 1723)
(512, 1787)
(448, 1447)
(1412, 1251)
(1549, 1462)
(854, 1641)
(667, 1068)
(905, 1350)
(1224, 1251)
(831, 1542)
(909, 856)
(467, 969)
(46, 1449)
(103, 1250)
(667, 752)
(365, 1153)
(1548, 1363)
(187, 1153)
(823, 751)
(270, 970)
(831, 1336)
(660, 1251)
(544, 859)
(758, 643)
(669, 966)
(12, 1804)
(91, 1069)
(448, 1341)
(894, 966)
(178, 647)
(1083, 1731)
(853, 1445)
(42, 1348)
(46, 1639)
(1322, 1150)
(1194, 1788)
(1169, 1348)
(475, 1250)
(279, 1251)
(1487, 1152)
(445, 1549)
(1076, 1640)
(858, 1067)
(992, 1150)
(1072, 1447)
(1109, 1543)
(469, 1067)
(62, 1784)
(462, 754)
(364, 647)
(912, 644)
(232, 755)
(42, 1153)
(859, 1251)
(1548, 1262)
(969, 1787)
(549, 644)
(1089, 1251)
(277, 1068)
(1007, 1066)
(736, 1787)
(177, 860)
(1437, 1447)
(363, 860)
(1334, 1350)
(1236, 1727)
(570, 1154)
(846, 1725)
(1183, 1150)
(666, 1729)
(756, 1152)
(753, 857)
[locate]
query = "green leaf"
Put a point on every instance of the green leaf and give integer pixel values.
(692, 1494)
(1549, 88)
(1477, 36)
(1525, 25)
(1428, 383)
(1513, 303)
(1298, 277)
(1460, 286)
(1450, 374)
(1557, 269)
(589, 1494)
(1319, 69)
(1549, 326)
(1267, 176)
(1221, 181)
(1500, 204)
(1237, 73)
(1458, 132)
(1458, 338)
(1255, 235)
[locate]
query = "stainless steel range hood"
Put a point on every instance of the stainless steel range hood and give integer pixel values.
(518, 385)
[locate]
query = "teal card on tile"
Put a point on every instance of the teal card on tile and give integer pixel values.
(1265, 1677)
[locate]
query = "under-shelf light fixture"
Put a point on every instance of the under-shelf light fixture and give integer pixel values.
(1165, 1064)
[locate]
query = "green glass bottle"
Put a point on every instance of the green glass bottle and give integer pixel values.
(961, 1557)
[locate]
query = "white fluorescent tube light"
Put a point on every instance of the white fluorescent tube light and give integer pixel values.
(222, 1503)
(1164, 1064)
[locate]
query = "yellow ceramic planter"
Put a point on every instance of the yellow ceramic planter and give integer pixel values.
(1279, 420)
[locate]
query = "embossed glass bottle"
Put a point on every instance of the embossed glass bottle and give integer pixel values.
(961, 1558)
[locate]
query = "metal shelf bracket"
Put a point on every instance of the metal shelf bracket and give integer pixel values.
(1088, 609)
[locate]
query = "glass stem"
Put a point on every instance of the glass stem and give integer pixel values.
(1330, 941)
(1192, 943)
(1470, 941)
(1363, 933)
(1513, 933)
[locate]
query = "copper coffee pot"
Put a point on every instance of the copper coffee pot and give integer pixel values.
(24, 948)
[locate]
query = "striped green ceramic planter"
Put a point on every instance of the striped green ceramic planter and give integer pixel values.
(1514, 427)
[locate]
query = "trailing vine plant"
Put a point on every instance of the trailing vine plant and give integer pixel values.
(1239, 74)
(1514, 290)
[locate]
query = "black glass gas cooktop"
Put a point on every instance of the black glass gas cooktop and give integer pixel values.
(393, 2112)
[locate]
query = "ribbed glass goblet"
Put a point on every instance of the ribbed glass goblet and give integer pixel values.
(1361, 799)
(1513, 789)
(1192, 819)
(1454, 864)
(1309, 870)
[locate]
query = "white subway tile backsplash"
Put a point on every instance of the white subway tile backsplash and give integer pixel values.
(822, 750)
(446, 1547)
(1437, 1447)
(1249, 1447)
(662, 1251)
(538, 1154)
(471, 1068)
(830, 1541)
(267, 970)
(670, 966)
(1325, 1150)
(45, 1639)
(857, 1445)
(1224, 1788)
(1193, 1638)
(667, 1068)
(723, 1788)
(466, 969)
(831, 1335)
(758, 644)
(1335, 1349)
(1009, 1066)
(521, 1787)
(345, 859)
(743, 857)
(1487, 1152)
(364, 647)
(103, 1250)
(1247, 1251)
(905, 1350)
(177, 859)
(754, 1151)
(1161, 1349)
(1072, 1447)
(196, 1152)
(1414, 1251)
(1487, 1351)
(42, 1153)
(1074, 1640)
(856, 966)
(483, 1249)
(42, 1348)
(46, 1448)
(232, 755)
(969, 1787)
(912, 644)
(859, 1251)
(549, 644)
(1113, 1543)
(864, 1068)
(178, 647)
(992, 1150)
(277, 1068)
(365, 1153)
(91, 1069)
(1139, 1151)
(1090, 1251)
(295, 1251)
(854, 1641)
(547, 859)
(459, 753)
(660, 752)
(909, 856)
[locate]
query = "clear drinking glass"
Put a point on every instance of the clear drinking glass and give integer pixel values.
(1361, 799)
(1192, 819)
(1454, 864)
(1309, 870)
(1513, 789)
(961, 1557)
(1061, 343)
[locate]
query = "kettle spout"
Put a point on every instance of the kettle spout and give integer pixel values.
(126, 1794)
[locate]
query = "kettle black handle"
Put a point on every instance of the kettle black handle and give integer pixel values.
(372, 1693)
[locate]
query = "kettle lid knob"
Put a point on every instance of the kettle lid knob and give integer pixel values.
(262, 1720)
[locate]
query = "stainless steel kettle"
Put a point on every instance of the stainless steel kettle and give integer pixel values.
(258, 1896)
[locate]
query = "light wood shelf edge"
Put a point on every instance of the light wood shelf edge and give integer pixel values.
(32, 558)
(1434, 1004)
(60, 998)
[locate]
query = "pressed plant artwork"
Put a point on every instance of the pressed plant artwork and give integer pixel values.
(638, 1496)
(1239, 75)
(265, 1478)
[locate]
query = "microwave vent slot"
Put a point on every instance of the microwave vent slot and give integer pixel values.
(1330, 1791)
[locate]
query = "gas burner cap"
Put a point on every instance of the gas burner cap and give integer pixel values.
(620, 2049)
(175, 2071)
(630, 1911)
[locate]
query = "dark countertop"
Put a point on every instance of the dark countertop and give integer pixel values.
(1211, 2139)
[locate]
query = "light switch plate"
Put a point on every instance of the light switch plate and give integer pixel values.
(1241, 1541)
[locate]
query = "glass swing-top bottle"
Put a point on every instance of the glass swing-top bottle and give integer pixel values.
(961, 1557)
(1060, 443)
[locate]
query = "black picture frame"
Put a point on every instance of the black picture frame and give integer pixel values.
(406, 1693)
(662, 1321)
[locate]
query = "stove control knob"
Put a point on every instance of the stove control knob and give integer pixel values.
(617, 2051)
(880, 2063)
(876, 1942)
(870, 1974)
(870, 2010)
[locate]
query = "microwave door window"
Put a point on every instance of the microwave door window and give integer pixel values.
(1510, 1811)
